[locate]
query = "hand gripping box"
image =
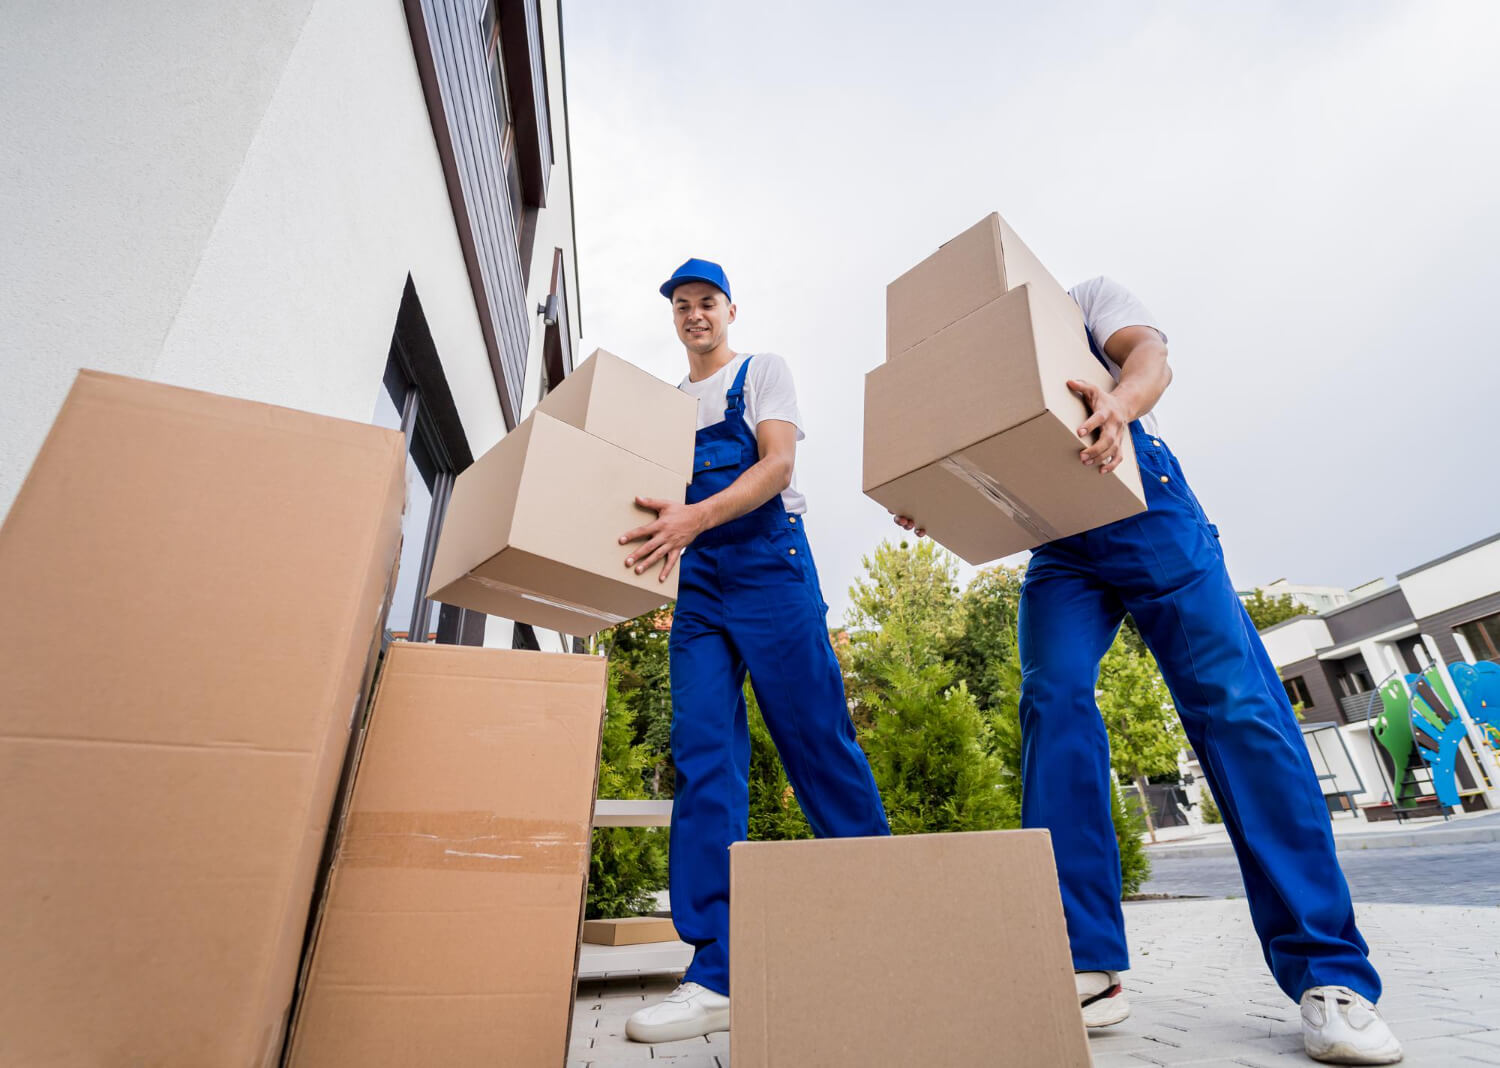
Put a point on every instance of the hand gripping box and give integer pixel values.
(971, 429)
(449, 934)
(194, 588)
(532, 530)
(910, 950)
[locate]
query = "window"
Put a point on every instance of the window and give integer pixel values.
(523, 209)
(414, 399)
(1297, 692)
(1353, 681)
(557, 343)
(1483, 636)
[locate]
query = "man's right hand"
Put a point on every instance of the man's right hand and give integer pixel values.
(906, 522)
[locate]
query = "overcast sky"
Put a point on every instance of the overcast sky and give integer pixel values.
(1305, 194)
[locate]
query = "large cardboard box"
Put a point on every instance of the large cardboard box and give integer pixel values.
(449, 934)
(614, 399)
(984, 262)
(532, 531)
(920, 949)
(973, 433)
(192, 586)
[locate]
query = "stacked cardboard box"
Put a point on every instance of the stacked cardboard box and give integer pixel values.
(449, 933)
(970, 428)
(193, 590)
(532, 531)
(958, 938)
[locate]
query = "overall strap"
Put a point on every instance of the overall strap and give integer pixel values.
(735, 398)
(1094, 348)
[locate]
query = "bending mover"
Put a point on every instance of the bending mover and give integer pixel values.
(1165, 567)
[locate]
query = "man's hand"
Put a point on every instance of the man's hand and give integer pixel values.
(906, 522)
(675, 526)
(1111, 418)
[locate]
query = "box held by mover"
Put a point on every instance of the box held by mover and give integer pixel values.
(532, 530)
(972, 430)
(194, 586)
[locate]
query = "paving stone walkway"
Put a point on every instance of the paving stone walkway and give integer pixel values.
(1201, 994)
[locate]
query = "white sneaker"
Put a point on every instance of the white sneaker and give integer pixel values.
(1101, 997)
(1341, 1027)
(690, 1011)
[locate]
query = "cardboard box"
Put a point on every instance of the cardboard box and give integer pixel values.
(973, 433)
(981, 264)
(920, 949)
(192, 588)
(614, 399)
(629, 931)
(449, 934)
(532, 530)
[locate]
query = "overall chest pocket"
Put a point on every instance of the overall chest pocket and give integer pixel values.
(717, 455)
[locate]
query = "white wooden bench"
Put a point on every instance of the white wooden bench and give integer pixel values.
(597, 962)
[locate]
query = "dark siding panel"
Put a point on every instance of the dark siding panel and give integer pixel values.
(1441, 624)
(1325, 707)
(1382, 612)
(455, 38)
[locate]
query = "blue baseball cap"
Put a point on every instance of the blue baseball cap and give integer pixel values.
(697, 271)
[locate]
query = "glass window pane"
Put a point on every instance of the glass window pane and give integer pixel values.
(413, 534)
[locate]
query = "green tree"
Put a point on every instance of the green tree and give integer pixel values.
(1211, 813)
(1135, 865)
(627, 865)
(1268, 611)
(638, 654)
(926, 739)
(1145, 736)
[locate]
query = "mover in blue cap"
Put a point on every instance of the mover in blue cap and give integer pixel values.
(748, 598)
(1164, 567)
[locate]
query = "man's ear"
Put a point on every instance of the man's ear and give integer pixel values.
(733, 310)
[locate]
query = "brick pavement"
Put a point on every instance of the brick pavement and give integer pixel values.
(1201, 994)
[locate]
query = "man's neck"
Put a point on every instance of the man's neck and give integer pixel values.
(707, 364)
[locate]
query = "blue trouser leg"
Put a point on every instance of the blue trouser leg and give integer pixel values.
(1242, 727)
(1168, 570)
(779, 625)
(711, 751)
(1068, 618)
(753, 603)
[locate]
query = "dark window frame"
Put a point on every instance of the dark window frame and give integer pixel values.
(418, 387)
(1297, 692)
(1483, 636)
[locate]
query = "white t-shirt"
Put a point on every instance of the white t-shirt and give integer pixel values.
(769, 394)
(1108, 306)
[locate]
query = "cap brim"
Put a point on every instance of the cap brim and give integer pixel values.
(670, 285)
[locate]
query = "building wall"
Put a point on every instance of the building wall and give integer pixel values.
(244, 224)
(1369, 615)
(1457, 580)
(1296, 639)
(1325, 705)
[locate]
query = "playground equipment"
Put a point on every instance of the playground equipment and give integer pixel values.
(1417, 725)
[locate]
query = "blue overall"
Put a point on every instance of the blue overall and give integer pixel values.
(748, 598)
(1165, 567)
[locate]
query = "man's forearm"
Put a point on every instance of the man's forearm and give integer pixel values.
(1144, 377)
(762, 481)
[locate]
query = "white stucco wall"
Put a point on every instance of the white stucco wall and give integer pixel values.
(1465, 578)
(1296, 640)
(226, 198)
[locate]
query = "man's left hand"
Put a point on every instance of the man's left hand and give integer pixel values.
(1110, 418)
(674, 528)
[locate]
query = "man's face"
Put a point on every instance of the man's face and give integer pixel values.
(702, 314)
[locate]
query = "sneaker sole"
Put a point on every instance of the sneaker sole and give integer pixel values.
(677, 1032)
(1343, 1053)
(1106, 1012)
